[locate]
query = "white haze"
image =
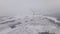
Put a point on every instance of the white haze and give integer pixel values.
(23, 7)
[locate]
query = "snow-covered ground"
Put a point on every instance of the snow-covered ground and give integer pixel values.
(29, 25)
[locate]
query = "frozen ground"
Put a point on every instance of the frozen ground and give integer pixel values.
(29, 25)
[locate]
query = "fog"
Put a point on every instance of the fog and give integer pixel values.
(23, 7)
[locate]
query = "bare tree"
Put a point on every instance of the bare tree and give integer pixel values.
(35, 12)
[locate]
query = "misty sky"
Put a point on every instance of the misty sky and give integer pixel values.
(23, 7)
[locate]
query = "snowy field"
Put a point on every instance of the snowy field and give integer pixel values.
(29, 25)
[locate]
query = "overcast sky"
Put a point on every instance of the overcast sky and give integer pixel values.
(23, 7)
